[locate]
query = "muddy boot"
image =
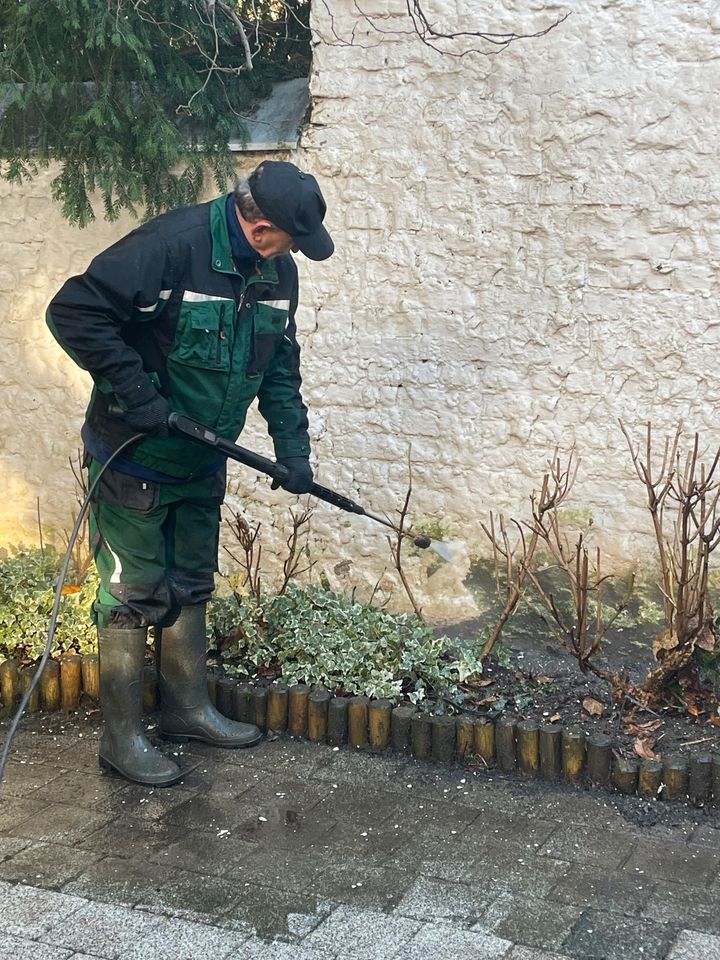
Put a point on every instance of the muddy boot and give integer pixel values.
(124, 746)
(186, 709)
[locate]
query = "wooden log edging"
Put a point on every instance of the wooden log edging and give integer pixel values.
(523, 748)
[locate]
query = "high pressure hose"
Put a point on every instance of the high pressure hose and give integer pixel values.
(56, 605)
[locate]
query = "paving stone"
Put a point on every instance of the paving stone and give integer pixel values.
(49, 865)
(347, 766)
(446, 863)
(530, 953)
(31, 747)
(80, 789)
(129, 837)
(15, 811)
(61, 823)
(603, 936)
(558, 801)
(287, 830)
(690, 905)
(341, 801)
(505, 867)
(705, 834)
(211, 813)
(372, 935)
(222, 854)
(588, 845)
(427, 899)
(678, 862)
(177, 939)
(222, 779)
(266, 910)
(691, 945)
(277, 950)
(341, 879)
(533, 922)
(104, 930)
(9, 846)
(494, 825)
(360, 841)
(142, 803)
(418, 814)
(138, 882)
(18, 948)
(301, 796)
(281, 757)
(438, 941)
(593, 886)
(22, 778)
(29, 912)
(301, 924)
(115, 880)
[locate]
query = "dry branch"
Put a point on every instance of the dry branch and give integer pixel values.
(683, 497)
(582, 627)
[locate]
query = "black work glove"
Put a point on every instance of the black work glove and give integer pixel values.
(150, 417)
(300, 475)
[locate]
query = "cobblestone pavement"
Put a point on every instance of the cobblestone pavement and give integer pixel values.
(296, 851)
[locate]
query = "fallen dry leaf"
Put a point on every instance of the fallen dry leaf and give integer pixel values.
(643, 748)
(715, 721)
(554, 718)
(483, 682)
(543, 679)
(666, 641)
(637, 729)
(593, 707)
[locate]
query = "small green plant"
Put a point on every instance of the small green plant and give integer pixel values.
(28, 578)
(316, 636)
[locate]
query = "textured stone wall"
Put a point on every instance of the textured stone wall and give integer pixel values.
(527, 250)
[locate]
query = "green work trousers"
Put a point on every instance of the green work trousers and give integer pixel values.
(155, 545)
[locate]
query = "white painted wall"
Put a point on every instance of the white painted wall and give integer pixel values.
(527, 249)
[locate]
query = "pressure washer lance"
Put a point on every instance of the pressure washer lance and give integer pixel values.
(202, 434)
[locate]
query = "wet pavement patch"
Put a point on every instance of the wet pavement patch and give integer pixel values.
(295, 850)
(601, 936)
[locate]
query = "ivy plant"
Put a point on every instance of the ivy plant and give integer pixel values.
(316, 636)
(28, 578)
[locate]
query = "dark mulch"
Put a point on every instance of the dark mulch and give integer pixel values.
(535, 679)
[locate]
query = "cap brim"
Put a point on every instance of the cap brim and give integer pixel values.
(316, 246)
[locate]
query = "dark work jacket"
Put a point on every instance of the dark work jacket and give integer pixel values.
(166, 309)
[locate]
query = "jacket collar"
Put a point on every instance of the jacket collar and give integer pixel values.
(222, 260)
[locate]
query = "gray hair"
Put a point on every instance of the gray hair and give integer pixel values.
(249, 210)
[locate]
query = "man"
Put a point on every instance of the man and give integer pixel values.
(192, 312)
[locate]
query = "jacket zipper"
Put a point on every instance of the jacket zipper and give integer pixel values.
(221, 337)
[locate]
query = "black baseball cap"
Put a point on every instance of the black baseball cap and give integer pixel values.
(292, 200)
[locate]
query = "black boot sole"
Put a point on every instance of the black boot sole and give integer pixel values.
(223, 744)
(109, 767)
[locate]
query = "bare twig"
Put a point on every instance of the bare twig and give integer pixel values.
(455, 43)
(397, 544)
(247, 537)
(291, 565)
(683, 498)
(555, 487)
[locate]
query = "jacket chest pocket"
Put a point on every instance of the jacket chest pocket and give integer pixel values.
(269, 323)
(204, 334)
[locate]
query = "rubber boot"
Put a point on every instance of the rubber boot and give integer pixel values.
(124, 746)
(186, 711)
